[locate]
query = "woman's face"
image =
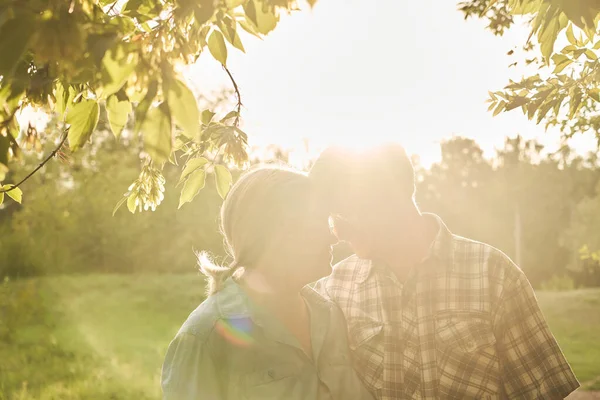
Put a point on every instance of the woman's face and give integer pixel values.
(304, 247)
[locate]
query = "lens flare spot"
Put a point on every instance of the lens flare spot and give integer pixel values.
(237, 331)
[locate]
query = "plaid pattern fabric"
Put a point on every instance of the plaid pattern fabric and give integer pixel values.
(465, 324)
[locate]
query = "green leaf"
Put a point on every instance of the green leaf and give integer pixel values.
(217, 47)
(4, 147)
(63, 98)
(597, 45)
(571, 35)
(548, 34)
(1, 197)
(250, 28)
(204, 12)
(266, 21)
(207, 116)
(575, 102)
(192, 186)
(594, 94)
(16, 194)
(230, 115)
(561, 62)
(591, 55)
(3, 170)
(228, 27)
(250, 11)
(223, 180)
(117, 68)
(184, 108)
(516, 102)
(499, 108)
(191, 166)
(83, 118)
(131, 206)
(15, 36)
(117, 112)
(157, 133)
(142, 109)
(569, 49)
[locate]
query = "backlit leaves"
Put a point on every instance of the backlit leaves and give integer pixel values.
(217, 47)
(192, 186)
(15, 35)
(118, 112)
(70, 57)
(184, 108)
(191, 166)
(14, 193)
(157, 133)
(229, 30)
(569, 94)
(82, 118)
(117, 67)
(223, 180)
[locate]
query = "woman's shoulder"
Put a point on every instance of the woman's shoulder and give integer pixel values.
(203, 319)
(218, 308)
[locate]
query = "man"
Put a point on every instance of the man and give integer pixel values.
(430, 315)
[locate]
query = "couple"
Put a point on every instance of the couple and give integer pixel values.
(416, 313)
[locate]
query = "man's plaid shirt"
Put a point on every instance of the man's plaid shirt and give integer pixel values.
(465, 324)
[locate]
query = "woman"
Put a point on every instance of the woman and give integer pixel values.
(261, 333)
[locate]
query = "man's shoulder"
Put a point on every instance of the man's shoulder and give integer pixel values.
(474, 256)
(348, 264)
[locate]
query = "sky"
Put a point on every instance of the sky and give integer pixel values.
(356, 72)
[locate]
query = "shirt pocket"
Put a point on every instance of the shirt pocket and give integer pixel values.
(366, 345)
(465, 332)
(275, 382)
(467, 360)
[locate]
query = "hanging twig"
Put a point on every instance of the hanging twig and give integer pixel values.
(239, 97)
(52, 154)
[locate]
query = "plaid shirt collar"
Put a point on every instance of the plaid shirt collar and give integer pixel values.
(440, 254)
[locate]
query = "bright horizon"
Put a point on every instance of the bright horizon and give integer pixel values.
(343, 73)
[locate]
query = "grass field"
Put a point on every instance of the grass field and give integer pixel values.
(104, 337)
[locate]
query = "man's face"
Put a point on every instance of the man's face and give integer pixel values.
(366, 223)
(348, 229)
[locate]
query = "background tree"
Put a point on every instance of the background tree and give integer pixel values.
(520, 201)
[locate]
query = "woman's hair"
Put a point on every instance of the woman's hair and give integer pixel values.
(254, 212)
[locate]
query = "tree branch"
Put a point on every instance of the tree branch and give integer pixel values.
(111, 8)
(239, 96)
(52, 154)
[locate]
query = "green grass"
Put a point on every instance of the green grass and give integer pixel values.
(104, 336)
(574, 318)
(92, 337)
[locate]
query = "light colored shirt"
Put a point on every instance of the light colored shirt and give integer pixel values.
(231, 349)
(464, 325)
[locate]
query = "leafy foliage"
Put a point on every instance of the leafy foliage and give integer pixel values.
(566, 91)
(83, 59)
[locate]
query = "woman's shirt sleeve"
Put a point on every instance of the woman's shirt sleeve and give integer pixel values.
(189, 371)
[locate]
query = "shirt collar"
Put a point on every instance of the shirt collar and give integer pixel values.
(439, 255)
(441, 250)
(233, 303)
